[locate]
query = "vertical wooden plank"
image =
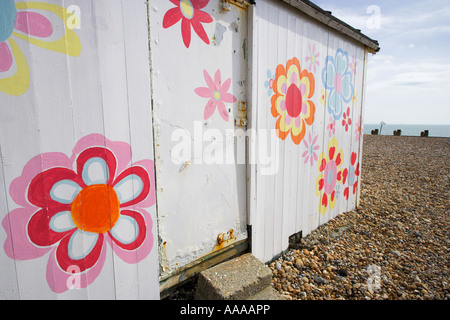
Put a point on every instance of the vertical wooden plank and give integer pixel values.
(363, 71)
(356, 65)
(324, 214)
(316, 46)
(292, 158)
(89, 98)
(111, 50)
(256, 212)
(8, 277)
(20, 140)
(141, 129)
(278, 185)
(267, 183)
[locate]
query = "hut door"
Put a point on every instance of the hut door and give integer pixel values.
(199, 66)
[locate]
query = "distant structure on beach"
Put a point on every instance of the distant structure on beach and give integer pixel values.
(414, 130)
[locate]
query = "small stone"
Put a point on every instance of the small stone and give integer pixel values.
(298, 264)
(278, 266)
(320, 280)
(343, 272)
(305, 280)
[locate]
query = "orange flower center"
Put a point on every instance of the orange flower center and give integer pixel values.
(96, 208)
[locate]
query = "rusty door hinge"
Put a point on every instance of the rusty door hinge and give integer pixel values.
(241, 117)
(243, 4)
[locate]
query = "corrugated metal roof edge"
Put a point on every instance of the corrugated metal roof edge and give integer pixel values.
(314, 11)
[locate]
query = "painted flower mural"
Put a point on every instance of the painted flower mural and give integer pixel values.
(330, 174)
(217, 93)
(291, 102)
(353, 174)
(312, 148)
(313, 58)
(346, 121)
(72, 207)
(331, 127)
(188, 11)
(353, 65)
(323, 97)
(268, 84)
(26, 21)
(337, 79)
(358, 130)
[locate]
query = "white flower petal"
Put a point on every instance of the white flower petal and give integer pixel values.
(126, 230)
(129, 188)
(81, 244)
(62, 222)
(65, 191)
(95, 171)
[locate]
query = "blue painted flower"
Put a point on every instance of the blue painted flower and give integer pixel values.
(269, 83)
(337, 78)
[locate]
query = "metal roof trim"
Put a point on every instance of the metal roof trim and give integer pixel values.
(314, 11)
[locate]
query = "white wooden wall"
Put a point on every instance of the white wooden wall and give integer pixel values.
(286, 202)
(65, 92)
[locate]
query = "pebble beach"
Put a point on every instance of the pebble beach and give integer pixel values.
(395, 246)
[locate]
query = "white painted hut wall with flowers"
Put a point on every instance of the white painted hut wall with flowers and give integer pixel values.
(76, 139)
(91, 121)
(319, 140)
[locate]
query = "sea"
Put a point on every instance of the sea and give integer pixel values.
(414, 130)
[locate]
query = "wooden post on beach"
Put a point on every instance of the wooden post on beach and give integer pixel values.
(424, 133)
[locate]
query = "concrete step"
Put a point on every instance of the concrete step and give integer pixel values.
(240, 278)
(269, 293)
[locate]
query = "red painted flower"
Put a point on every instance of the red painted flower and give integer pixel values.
(330, 174)
(353, 174)
(74, 206)
(347, 121)
(188, 11)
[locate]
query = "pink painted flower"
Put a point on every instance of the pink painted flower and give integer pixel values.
(311, 149)
(313, 58)
(346, 121)
(331, 127)
(358, 130)
(353, 65)
(188, 11)
(72, 207)
(217, 94)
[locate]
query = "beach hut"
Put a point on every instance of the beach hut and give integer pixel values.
(144, 141)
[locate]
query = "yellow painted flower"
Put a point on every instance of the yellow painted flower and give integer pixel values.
(21, 21)
(293, 88)
(330, 174)
(323, 97)
(355, 97)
